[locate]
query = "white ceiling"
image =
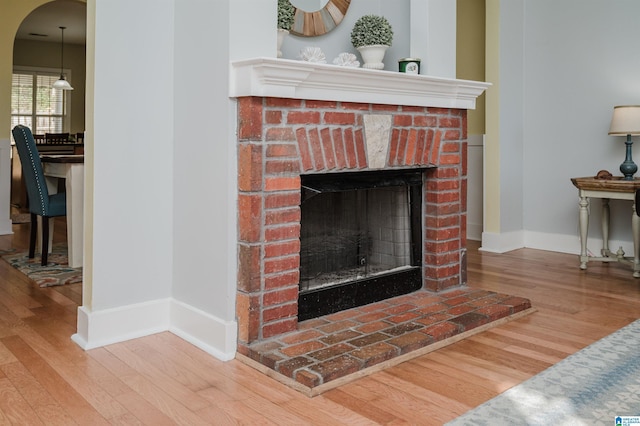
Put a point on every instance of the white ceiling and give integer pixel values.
(46, 20)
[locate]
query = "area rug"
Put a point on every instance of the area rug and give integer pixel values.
(599, 385)
(57, 272)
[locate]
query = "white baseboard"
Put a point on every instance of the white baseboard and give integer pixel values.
(502, 243)
(209, 333)
(100, 328)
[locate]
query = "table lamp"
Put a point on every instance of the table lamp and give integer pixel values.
(626, 121)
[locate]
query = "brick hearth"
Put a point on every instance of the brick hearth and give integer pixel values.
(345, 344)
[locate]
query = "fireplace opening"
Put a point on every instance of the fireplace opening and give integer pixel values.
(360, 239)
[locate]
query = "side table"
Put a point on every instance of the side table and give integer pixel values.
(606, 189)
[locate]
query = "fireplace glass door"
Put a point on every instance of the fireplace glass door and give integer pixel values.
(360, 238)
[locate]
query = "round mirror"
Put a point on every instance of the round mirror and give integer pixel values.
(317, 17)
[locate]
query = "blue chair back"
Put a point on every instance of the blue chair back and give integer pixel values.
(32, 171)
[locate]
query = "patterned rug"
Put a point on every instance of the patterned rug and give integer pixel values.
(599, 385)
(57, 272)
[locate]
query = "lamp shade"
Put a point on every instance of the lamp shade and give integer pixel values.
(625, 120)
(62, 84)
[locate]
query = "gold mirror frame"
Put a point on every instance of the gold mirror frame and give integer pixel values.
(312, 24)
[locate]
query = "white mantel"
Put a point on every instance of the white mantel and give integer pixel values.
(285, 78)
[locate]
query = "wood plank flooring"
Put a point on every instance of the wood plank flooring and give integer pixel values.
(162, 380)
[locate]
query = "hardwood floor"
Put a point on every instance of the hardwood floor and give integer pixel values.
(162, 380)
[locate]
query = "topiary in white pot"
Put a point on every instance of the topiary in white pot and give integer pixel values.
(372, 35)
(285, 21)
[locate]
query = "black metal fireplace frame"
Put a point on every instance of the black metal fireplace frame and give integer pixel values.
(327, 300)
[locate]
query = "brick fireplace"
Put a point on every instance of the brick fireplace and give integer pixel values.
(316, 130)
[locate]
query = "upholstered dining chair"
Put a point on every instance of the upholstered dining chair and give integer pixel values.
(40, 202)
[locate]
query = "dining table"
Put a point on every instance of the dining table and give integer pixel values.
(71, 169)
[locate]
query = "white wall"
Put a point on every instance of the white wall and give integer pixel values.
(580, 59)
(133, 145)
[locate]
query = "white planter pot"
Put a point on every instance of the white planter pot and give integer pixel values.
(372, 56)
(281, 34)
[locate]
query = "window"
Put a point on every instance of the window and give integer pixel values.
(35, 103)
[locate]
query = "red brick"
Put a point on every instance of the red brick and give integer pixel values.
(248, 268)
(340, 118)
(280, 134)
(459, 310)
(402, 120)
(495, 312)
(249, 167)
(320, 104)
(273, 117)
(421, 140)
(308, 378)
(327, 148)
(280, 217)
(280, 327)
(410, 341)
(302, 348)
(281, 200)
(299, 337)
(439, 259)
(428, 147)
(433, 319)
(281, 150)
(289, 367)
(393, 147)
(383, 107)
(281, 280)
(407, 316)
(449, 159)
(249, 217)
(470, 320)
(281, 233)
(425, 121)
(356, 106)
(441, 331)
(333, 327)
(338, 144)
(282, 249)
(340, 336)
(280, 296)
(249, 118)
(336, 367)
(281, 264)
(316, 149)
(285, 183)
(283, 103)
(287, 167)
(410, 156)
(280, 312)
(248, 314)
(449, 122)
(331, 351)
(373, 327)
(375, 354)
(305, 151)
(434, 152)
(303, 117)
(360, 150)
(451, 147)
(452, 135)
(350, 148)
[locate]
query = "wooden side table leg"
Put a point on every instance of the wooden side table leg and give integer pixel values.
(635, 229)
(605, 227)
(584, 227)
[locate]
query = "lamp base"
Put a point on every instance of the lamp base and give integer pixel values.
(628, 168)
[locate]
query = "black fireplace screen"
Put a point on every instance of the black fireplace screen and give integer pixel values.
(360, 239)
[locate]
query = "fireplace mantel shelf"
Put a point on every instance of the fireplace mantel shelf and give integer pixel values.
(285, 78)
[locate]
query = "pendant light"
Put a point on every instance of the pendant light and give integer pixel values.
(62, 83)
